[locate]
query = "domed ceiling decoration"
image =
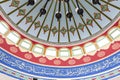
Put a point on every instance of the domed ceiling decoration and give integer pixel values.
(61, 22)
(52, 39)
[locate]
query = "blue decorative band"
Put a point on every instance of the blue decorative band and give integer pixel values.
(56, 72)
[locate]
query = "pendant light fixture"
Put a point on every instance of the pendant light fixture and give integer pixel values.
(58, 14)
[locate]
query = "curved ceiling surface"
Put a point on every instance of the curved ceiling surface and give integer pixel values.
(92, 18)
(60, 39)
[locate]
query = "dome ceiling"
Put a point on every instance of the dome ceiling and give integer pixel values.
(49, 21)
(60, 39)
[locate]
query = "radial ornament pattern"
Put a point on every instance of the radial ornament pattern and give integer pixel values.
(60, 39)
(61, 22)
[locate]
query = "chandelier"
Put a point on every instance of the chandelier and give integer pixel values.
(58, 14)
